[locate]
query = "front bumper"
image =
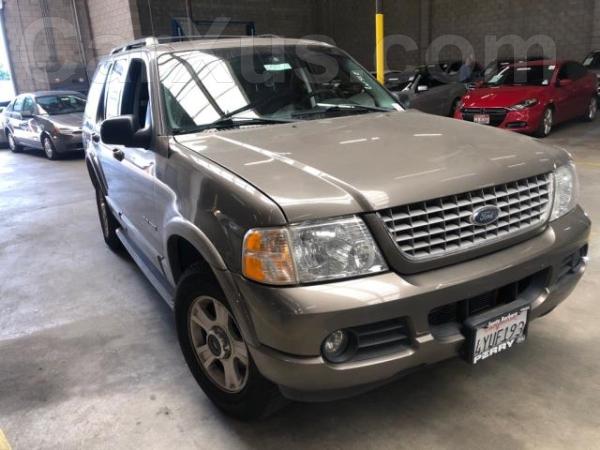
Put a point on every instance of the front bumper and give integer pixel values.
(66, 143)
(526, 121)
(291, 323)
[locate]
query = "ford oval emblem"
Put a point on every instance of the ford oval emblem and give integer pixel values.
(485, 215)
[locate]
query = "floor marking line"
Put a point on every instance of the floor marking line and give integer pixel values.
(588, 164)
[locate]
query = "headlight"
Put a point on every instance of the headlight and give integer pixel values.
(524, 104)
(311, 252)
(566, 191)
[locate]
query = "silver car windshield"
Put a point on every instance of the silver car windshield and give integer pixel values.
(60, 104)
(265, 84)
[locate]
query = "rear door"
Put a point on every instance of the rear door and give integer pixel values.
(566, 96)
(14, 121)
(29, 126)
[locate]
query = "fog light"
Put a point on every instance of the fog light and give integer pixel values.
(335, 345)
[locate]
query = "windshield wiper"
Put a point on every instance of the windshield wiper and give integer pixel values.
(231, 122)
(331, 107)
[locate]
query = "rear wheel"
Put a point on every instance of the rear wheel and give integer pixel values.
(49, 148)
(108, 223)
(592, 110)
(216, 352)
(545, 127)
(12, 143)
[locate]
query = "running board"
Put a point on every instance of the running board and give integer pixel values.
(155, 278)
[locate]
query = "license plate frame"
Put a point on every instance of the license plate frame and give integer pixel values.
(482, 119)
(495, 327)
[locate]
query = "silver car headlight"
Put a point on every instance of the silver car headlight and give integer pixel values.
(566, 191)
(311, 252)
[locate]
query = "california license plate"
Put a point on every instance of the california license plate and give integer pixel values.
(483, 119)
(496, 331)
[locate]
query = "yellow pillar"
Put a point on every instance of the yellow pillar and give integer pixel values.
(379, 41)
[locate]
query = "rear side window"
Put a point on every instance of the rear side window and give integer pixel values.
(94, 110)
(114, 89)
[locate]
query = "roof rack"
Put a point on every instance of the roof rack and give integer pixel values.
(151, 41)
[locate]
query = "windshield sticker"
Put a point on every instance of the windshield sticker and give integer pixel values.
(278, 67)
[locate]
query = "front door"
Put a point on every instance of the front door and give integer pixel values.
(130, 172)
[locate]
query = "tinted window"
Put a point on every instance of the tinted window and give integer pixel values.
(136, 96)
(114, 89)
(537, 75)
(592, 61)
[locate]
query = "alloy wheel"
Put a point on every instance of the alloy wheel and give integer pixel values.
(593, 109)
(548, 122)
(48, 148)
(218, 345)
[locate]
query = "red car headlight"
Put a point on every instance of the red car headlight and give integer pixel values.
(524, 104)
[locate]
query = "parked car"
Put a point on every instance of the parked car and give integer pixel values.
(533, 97)
(315, 240)
(592, 63)
(431, 91)
(3, 140)
(48, 120)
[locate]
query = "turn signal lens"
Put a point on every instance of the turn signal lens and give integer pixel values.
(267, 257)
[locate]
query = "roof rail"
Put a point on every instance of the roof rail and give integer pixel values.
(150, 41)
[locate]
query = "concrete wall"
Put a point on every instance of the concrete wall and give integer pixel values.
(43, 48)
(112, 22)
(289, 17)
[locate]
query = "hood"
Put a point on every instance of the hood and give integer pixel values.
(501, 96)
(354, 164)
(71, 120)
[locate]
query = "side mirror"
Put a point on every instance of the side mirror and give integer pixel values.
(422, 88)
(122, 130)
(565, 82)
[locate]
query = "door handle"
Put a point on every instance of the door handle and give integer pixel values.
(95, 137)
(118, 154)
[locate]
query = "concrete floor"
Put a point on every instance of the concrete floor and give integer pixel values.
(89, 356)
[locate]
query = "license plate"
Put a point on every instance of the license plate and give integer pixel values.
(489, 336)
(483, 119)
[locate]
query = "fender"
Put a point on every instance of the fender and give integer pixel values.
(97, 180)
(187, 230)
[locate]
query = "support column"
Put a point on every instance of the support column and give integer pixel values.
(380, 41)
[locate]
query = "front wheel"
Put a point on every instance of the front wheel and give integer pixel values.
(49, 148)
(216, 352)
(545, 127)
(592, 110)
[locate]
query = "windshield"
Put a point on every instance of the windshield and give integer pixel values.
(60, 104)
(265, 84)
(523, 76)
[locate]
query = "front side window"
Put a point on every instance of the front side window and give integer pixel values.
(55, 105)
(535, 75)
(94, 110)
(275, 83)
(18, 104)
(114, 89)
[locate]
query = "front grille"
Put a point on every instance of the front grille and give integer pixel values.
(444, 226)
(497, 115)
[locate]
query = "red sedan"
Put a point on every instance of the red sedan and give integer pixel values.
(532, 97)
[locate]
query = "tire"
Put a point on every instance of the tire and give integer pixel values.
(203, 317)
(108, 223)
(49, 148)
(592, 110)
(12, 143)
(546, 124)
(454, 107)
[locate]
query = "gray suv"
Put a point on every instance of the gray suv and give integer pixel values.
(314, 239)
